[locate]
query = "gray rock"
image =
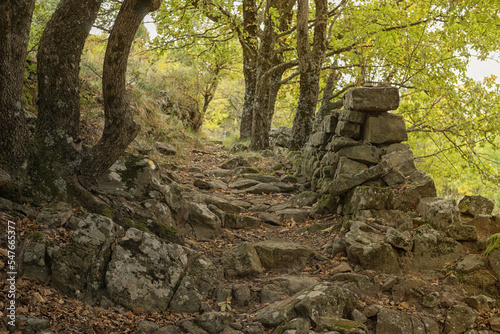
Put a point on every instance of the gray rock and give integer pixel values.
(198, 283)
(376, 99)
(78, 269)
(4, 178)
(147, 327)
(394, 322)
(348, 129)
(346, 168)
(322, 300)
(420, 186)
(359, 284)
(34, 324)
(190, 328)
(338, 325)
(241, 294)
(223, 204)
(338, 187)
(330, 123)
(270, 218)
(170, 329)
(432, 300)
(34, 263)
(367, 154)
(408, 289)
(462, 232)
(55, 214)
(165, 149)
(480, 303)
(241, 221)
(243, 184)
(439, 212)
(385, 129)
(143, 271)
(399, 239)
(220, 172)
(281, 287)
(263, 188)
(276, 254)
(241, 260)
(495, 322)
(202, 222)
(217, 184)
(459, 319)
(338, 143)
(238, 161)
(214, 322)
(475, 205)
(367, 198)
(298, 215)
(352, 116)
(379, 257)
(260, 178)
(401, 161)
(305, 198)
(433, 249)
(470, 263)
(318, 139)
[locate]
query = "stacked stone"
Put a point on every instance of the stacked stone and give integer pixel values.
(357, 160)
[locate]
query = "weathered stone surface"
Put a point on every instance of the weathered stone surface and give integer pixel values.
(144, 271)
(385, 129)
(438, 212)
(55, 214)
(346, 168)
(462, 232)
(201, 184)
(241, 260)
(379, 257)
(394, 322)
(263, 188)
(284, 286)
(376, 99)
(298, 215)
(348, 129)
(352, 116)
(241, 294)
(338, 325)
(34, 263)
(495, 322)
(475, 205)
(494, 262)
(241, 221)
(399, 239)
(367, 154)
(214, 322)
(305, 198)
(485, 225)
(358, 284)
(396, 218)
(459, 319)
(165, 149)
(260, 178)
(470, 263)
(202, 222)
(217, 184)
(330, 123)
(480, 303)
(200, 278)
(367, 198)
(238, 161)
(401, 161)
(322, 300)
(319, 138)
(4, 178)
(420, 186)
(433, 249)
(338, 187)
(147, 327)
(78, 270)
(223, 204)
(338, 143)
(243, 184)
(276, 254)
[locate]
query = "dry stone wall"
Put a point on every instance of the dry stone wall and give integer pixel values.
(357, 159)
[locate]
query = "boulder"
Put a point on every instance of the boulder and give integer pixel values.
(346, 168)
(280, 287)
(144, 272)
(34, 263)
(338, 186)
(202, 222)
(385, 129)
(214, 322)
(305, 198)
(399, 239)
(420, 186)
(394, 322)
(485, 225)
(480, 303)
(438, 212)
(366, 154)
(462, 232)
(322, 300)
(377, 99)
(367, 198)
(433, 249)
(276, 254)
(55, 214)
(298, 215)
(238, 161)
(318, 139)
(352, 116)
(379, 257)
(475, 205)
(401, 161)
(241, 221)
(241, 260)
(470, 263)
(78, 269)
(459, 319)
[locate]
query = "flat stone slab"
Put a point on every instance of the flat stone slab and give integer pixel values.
(277, 254)
(376, 99)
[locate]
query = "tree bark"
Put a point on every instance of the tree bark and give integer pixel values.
(310, 65)
(119, 128)
(248, 42)
(15, 22)
(59, 53)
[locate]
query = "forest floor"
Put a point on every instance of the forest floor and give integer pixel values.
(68, 315)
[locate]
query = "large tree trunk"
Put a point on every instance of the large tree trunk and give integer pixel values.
(119, 128)
(310, 64)
(59, 53)
(248, 42)
(15, 21)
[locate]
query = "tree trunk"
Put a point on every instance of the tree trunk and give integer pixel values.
(119, 128)
(15, 21)
(59, 53)
(310, 64)
(249, 44)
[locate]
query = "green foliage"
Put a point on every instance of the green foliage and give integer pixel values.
(493, 243)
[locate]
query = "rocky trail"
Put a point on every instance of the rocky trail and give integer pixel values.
(240, 242)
